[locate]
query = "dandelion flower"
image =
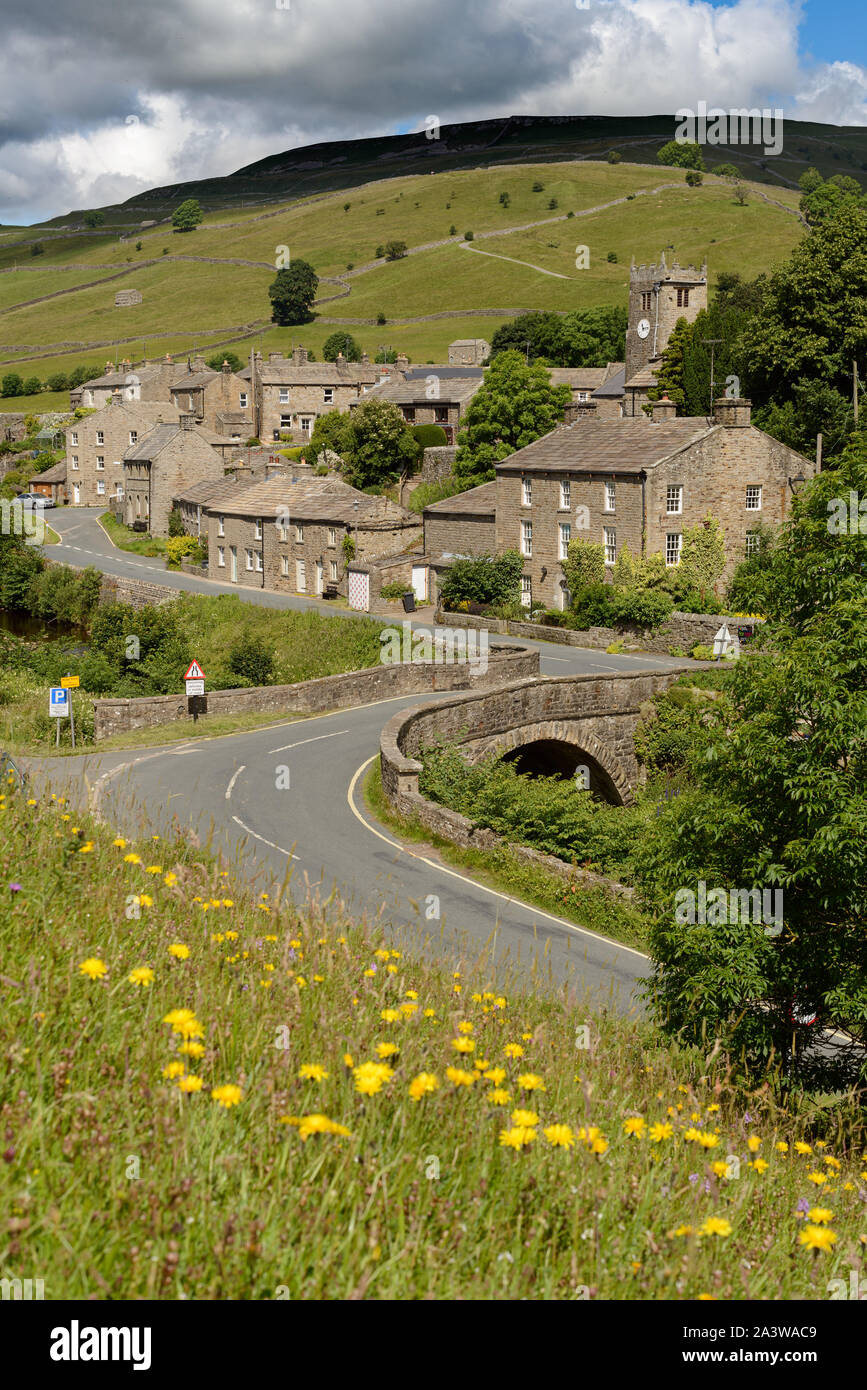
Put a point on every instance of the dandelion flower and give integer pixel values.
(759, 1164)
(465, 1026)
(142, 975)
(802, 1148)
(754, 1143)
(423, 1085)
(312, 1071)
(371, 1076)
(529, 1081)
(227, 1095)
(817, 1178)
(386, 1049)
(172, 1070)
(517, 1138)
(93, 967)
(498, 1096)
(460, 1078)
(525, 1118)
(513, 1050)
(715, 1226)
(192, 1049)
(560, 1136)
(634, 1125)
(496, 1074)
(120, 842)
(817, 1238)
(389, 1015)
(463, 1045)
(179, 950)
(820, 1216)
(132, 859)
(191, 1083)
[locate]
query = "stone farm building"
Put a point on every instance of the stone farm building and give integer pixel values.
(160, 466)
(620, 482)
(290, 536)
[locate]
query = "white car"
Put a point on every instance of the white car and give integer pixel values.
(34, 500)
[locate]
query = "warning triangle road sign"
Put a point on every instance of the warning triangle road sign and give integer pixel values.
(195, 672)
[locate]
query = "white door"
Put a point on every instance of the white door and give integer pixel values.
(76, 494)
(319, 576)
(233, 552)
(419, 582)
(359, 590)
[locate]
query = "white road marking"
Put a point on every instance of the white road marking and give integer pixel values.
(464, 878)
(235, 776)
(248, 831)
(287, 746)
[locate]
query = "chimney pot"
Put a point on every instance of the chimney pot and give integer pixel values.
(732, 412)
(663, 410)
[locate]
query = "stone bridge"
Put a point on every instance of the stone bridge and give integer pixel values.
(553, 724)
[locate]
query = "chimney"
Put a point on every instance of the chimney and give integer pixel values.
(169, 358)
(116, 397)
(732, 412)
(226, 368)
(299, 356)
(109, 367)
(199, 364)
(341, 360)
(274, 356)
(187, 421)
(401, 362)
(579, 410)
(663, 410)
(365, 359)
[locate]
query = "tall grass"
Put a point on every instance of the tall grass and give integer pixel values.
(117, 1182)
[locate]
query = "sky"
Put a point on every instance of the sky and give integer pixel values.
(100, 100)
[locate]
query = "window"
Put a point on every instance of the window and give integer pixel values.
(682, 298)
(189, 402)
(118, 489)
(100, 437)
(133, 436)
(527, 492)
(674, 499)
(259, 561)
(646, 296)
(332, 535)
(610, 546)
(73, 438)
(565, 495)
(100, 488)
(333, 569)
(284, 565)
(75, 462)
(299, 531)
(221, 556)
(258, 528)
(526, 538)
(300, 576)
(286, 421)
(306, 423)
(752, 543)
(242, 400)
(409, 413)
(221, 527)
(284, 395)
(100, 462)
(565, 537)
(328, 395)
(526, 591)
(610, 489)
(672, 548)
(582, 395)
(754, 498)
(249, 555)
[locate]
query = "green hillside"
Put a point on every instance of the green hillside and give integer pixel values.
(208, 289)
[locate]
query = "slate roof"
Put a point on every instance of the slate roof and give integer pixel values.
(213, 490)
(478, 501)
(414, 392)
(314, 499)
(607, 446)
(285, 372)
(153, 443)
(55, 474)
(613, 384)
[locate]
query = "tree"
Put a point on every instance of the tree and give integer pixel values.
(726, 171)
(395, 250)
(670, 375)
(187, 216)
(216, 362)
(779, 804)
(380, 445)
(614, 156)
(12, 385)
(694, 178)
(292, 293)
(250, 661)
(94, 219)
(58, 381)
(811, 324)
(176, 523)
(684, 154)
(331, 435)
(515, 405)
(341, 341)
(32, 386)
(584, 564)
(823, 199)
(484, 579)
(36, 248)
(581, 338)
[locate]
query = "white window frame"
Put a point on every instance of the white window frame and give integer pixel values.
(752, 544)
(527, 539)
(100, 437)
(100, 463)
(258, 525)
(221, 557)
(299, 531)
(610, 545)
(73, 437)
(221, 526)
(242, 400)
(565, 538)
(674, 499)
(610, 497)
(754, 490)
(284, 566)
(259, 561)
(100, 488)
(565, 495)
(526, 492)
(133, 436)
(333, 570)
(284, 396)
(328, 395)
(673, 546)
(286, 420)
(74, 463)
(249, 557)
(332, 535)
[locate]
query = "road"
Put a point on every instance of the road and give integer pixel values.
(287, 800)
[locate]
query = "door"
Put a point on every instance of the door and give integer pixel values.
(359, 590)
(419, 583)
(319, 576)
(76, 494)
(233, 554)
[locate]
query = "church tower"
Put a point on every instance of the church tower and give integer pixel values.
(659, 295)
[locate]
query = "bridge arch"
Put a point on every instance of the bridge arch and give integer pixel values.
(563, 746)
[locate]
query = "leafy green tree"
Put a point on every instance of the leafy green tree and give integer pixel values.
(395, 250)
(250, 662)
(826, 198)
(614, 156)
(726, 171)
(331, 434)
(216, 362)
(389, 355)
(32, 386)
(584, 564)
(381, 445)
(693, 178)
(670, 375)
(681, 154)
(292, 293)
(581, 338)
(94, 219)
(484, 579)
(58, 381)
(340, 341)
(515, 405)
(20, 565)
(187, 215)
(12, 385)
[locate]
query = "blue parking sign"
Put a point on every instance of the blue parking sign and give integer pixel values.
(58, 702)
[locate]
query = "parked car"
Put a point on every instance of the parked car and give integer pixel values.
(34, 500)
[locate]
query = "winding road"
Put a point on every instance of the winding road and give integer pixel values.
(286, 802)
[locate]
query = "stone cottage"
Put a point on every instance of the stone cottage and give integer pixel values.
(95, 447)
(160, 466)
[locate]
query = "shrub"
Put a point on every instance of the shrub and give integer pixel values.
(468, 236)
(584, 564)
(178, 548)
(453, 231)
(251, 662)
(644, 608)
(379, 253)
(37, 249)
(483, 579)
(429, 436)
(591, 605)
(395, 590)
(614, 156)
(537, 187)
(693, 178)
(395, 250)
(612, 257)
(32, 386)
(505, 200)
(552, 203)
(380, 318)
(176, 525)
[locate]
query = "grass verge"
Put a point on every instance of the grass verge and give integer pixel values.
(209, 1096)
(124, 539)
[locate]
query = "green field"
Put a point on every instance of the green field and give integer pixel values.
(190, 305)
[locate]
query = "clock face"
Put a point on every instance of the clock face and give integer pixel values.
(642, 328)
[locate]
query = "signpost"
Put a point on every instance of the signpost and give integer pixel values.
(723, 643)
(194, 679)
(58, 706)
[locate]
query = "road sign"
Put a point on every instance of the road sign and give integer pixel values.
(194, 672)
(58, 702)
(69, 682)
(195, 687)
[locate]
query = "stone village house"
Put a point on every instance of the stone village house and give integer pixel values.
(95, 447)
(158, 467)
(289, 393)
(639, 482)
(430, 395)
(218, 401)
(289, 536)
